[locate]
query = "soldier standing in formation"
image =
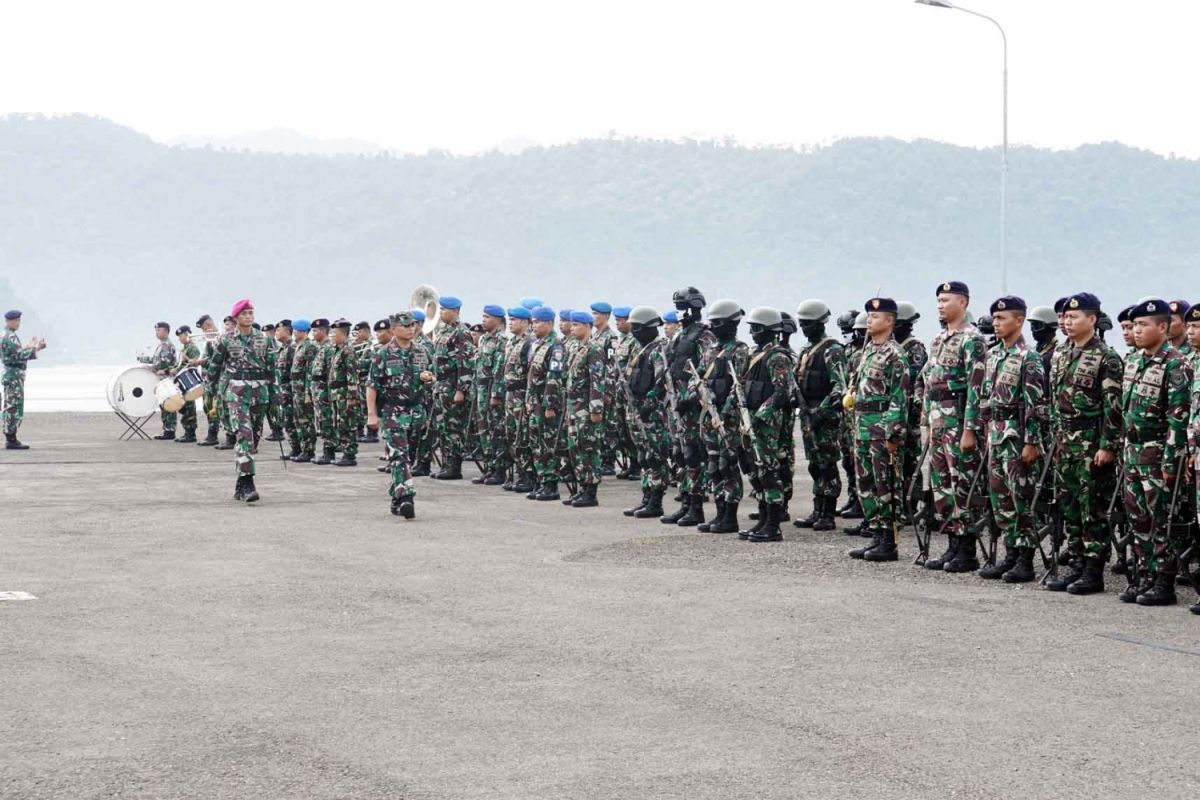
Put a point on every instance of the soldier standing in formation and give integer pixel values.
(14, 358)
(821, 380)
(515, 379)
(188, 353)
(624, 348)
(544, 404)
(586, 381)
(453, 363)
(343, 395)
(488, 386)
(723, 364)
(645, 390)
(162, 361)
(686, 351)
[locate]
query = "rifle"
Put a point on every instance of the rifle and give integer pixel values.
(1049, 563)
(983, 462)
(1117, 519)
(706, 400)
(897, 481)
(914, 485)
(746, 425)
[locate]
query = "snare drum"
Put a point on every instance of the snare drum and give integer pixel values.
(190, 384)
(169, 398)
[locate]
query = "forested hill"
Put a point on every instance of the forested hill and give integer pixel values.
(105, 231)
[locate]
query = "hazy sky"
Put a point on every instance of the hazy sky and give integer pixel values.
(466, 76)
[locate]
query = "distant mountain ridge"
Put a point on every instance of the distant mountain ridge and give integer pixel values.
(104, 229)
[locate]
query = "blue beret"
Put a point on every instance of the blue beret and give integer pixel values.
(1154, 307)
(582, 317)
(449, 301)
(885, 304)
(671, 316)
(1084, 301)
(565, 315)
(953, 287)
(1179, 307)
(493, 310)
(622, 311)
(601, 307)
(302, 325)
(543, 314)
(11, 315)
(162, 325)
(418, 315)
(1008, 303)
(531, 302)
(520, 312)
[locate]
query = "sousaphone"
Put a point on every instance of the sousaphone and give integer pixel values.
(425, 297)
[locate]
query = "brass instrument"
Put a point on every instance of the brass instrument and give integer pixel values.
(425, 297)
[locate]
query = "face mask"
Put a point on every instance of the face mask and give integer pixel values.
(645, 334)
(814, 331)
(762, 336)
(902, 331)
(723, 329)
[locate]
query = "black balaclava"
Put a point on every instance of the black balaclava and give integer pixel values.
(645, 334)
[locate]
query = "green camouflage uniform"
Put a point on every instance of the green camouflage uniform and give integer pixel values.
(1011, 404)
(394, 374)
(187, 414)
(646, 375)
(246, 365)
(453, 354)
(769, 389)
(14, 357)
(302, 403)
(364, 354)
(848, 441)
(318, 383)
(880, 417)
(722, 365)
(489, 418)
(918, 357)
(284, 357)
(512, 388)
(624, 431)
(162, 361)
(587, 375)
(343, 398)
(606, 340)
(426, 434)
(1085, 414)
(547, 364)
(689, 346)
(821, 380)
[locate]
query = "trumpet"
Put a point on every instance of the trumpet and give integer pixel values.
(848, 400)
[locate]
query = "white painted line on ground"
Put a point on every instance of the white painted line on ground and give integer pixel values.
(16, 596)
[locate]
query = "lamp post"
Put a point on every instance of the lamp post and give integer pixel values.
(1004, 148)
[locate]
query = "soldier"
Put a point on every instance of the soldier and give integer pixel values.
(880, 404)
(343, 394)
(211, 403)
(1126, 327)
(787, 440)
(1155, 404)
(394, 386)
(854, 329)
(303, 413)
(513, 385)
(318, 382)
(687, 349)
(723, 364)
(607, 340)
(162, 361)
(644, 386)
(1012, 414)
(949, 388)
(821, 381)
(587, 374)
(425, 433)
(914, 349)
(14, 357)
(670, 325)
(544, 404)
(769, 387)
(273, 411)
(567, 340)
(453, 364)
(1177, 333)
(284, 354)
(1044, 325)
(245, 361)
(228, 424)
(1193, 332)
(624, 349)
(188, 353)
(363, 353)
(488, 386)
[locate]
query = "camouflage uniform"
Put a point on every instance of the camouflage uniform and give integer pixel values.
(162, 361)
(303, 412)
(343, 399)
(586, 379)
(1012, 411)
(880, 417)
(848, 438)
(489, 387)
(646, 375)
(187, 414)
(364, 354)
(425, 434)
(723, 364)
(246, 365)
(287, 404)
(318, 382)
(14, 357)
(606, 340)
(547, 364)
(453, 354)
(918, 357)
(769, 389)
(624, 430)
(394, 374)
(821, 380)
(214, 402)
(689, 346)
(511, 388)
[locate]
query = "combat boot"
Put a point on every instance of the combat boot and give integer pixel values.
(1119, 566)
(811, 519)
(1133, 590)
(525, 483)
(706, 526)
(494, 478)
(851, 500)
(761, 518)
(860, 529)
(479, 479)
(229, 443)
(211, 438)
(165, 436)
(276, 435)
(383, 468)
(728, 521)
(1194, 608)
(886, 549)
(326, 457)
(189, 436)
(855, 511)
(249, 493)
(451, 470)
(1092, 580)
(371, 437)
(292, 456)
(1022, 571)
(965, 559)
(671, 519)
(587, 497)
(304, 458)
(629, 512)
(1162, 593)
(653, 507)
(770, 531)
(946, 557)
(11, 443)
(876, 541)
(346, 461)
(990, 572)
(533, 493)
(403, 507)
(549, 491)
(1060, 582)
(421, 469)
(239, 488)
(695, 512)
(825, 520)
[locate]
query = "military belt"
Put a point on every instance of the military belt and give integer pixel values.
(872, 406)
(252, 375)
(939, 395)
(388, 403)
(510, 385)
(1006, 412)
(1146, 435)
(1081, 423)
(338, 384)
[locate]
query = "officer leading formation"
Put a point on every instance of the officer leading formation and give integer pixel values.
(1053, 448)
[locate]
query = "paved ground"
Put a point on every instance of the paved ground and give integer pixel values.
(313, 646)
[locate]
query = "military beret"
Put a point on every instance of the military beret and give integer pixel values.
(601, 307)
(1123, 314)
(182, 329)
(1154, 307)
(401, 319)
(671, 316)
(953, 287)
(203, 319)
(1084, 301)
(493, 310)
(256, 326)
(449, 301)
(1060, 305)
(302, 325)
(1179, 307)
(1193, 314)
(283, 323)
(162, 325)
(240, 306)
(342, 323)
(418, 315)
(582, 317)
(885, 304)
(362, 325)
(228, 319)
(622, 311)
(11, 315)
(476, 328)
(320, 322)
(520, 312)
(543, 314)
(531, 302)
(268, 327)
(564, 314)
(1008, 303)
(384, 325)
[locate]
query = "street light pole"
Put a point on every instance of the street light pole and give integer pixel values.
(1004, 146)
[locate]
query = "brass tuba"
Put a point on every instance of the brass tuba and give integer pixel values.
(425, 297)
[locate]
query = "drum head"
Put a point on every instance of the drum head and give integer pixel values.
(131, 391)
(190, 383)
(168, 395)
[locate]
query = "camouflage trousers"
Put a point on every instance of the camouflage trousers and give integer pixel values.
(768, 426)
(302, 416)
(397, 426)
(451, 423)
(14, 402)
(846, 438)
(618, 435)
(224, 412)
(1011, 485)
(343, 404)
(169, 419)
(822, 450)
(516, 434)
(787, 454)
(212, 406)
(652, 443)
(489, 424)
(1147, 506)
(187, 416)
(877, 482)
(691, 452)
(584, 442)
(950, 474)
(613, 432)
(724, 472)
(248, 406)
(287, 416)
(1083, 497)
(546, 442)
(323, 416)
(425, 434)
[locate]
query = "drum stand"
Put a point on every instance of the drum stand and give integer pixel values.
(133, 426)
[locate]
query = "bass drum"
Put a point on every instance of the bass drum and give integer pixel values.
(169, 398)
(131, 391)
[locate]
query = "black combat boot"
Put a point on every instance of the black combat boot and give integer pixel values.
(653, 507)
(760, 516)
(249, 493)
(855, 511)
(525, 483)
(239, 488)
(876, 540)
(403, 507)
(1119, 566)
(586, 498)
(305, 457)
(479, 479)
(1162, 593)
(1022, 571)
(211, 438)
(11, 442)
(990, 572)
(383, 468)
(189, 436)
(421, 468)
(371, 437)
(672, 519)
(629, 512)
(451, 470)
(607, 470)
(811, 519)
(292, 456)
(695, 512)
(1133, 590)
(494, 478)
(326, 458)
(346, 461)
(276, 435)
(770, 531)
(707, 526)
(1194, 608)
(533, 493)
(727, 522)
(860, 529)
(886, 549)
(946, 557)
(1065, 578)
(549, 491)
(965, 559)
(228, 444)
(825, 520)
(166, 436)
(851, 501)
(1092, 580)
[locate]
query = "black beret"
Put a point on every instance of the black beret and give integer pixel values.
(477, 328)
(1008, 303)
(1193, 314)
(362, 326)
(320, 322)
(228, 319)
(1179, 307)
(284, 323)
(383, 325)
(256, 326)
(1123, 315)
(182, 329)
(203, 319)
(1084, 301)
(1060, 305)
(953, 287)
(885, 304)
(162, 325)
(268, 326)
(344, 324)
(1154, 307)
